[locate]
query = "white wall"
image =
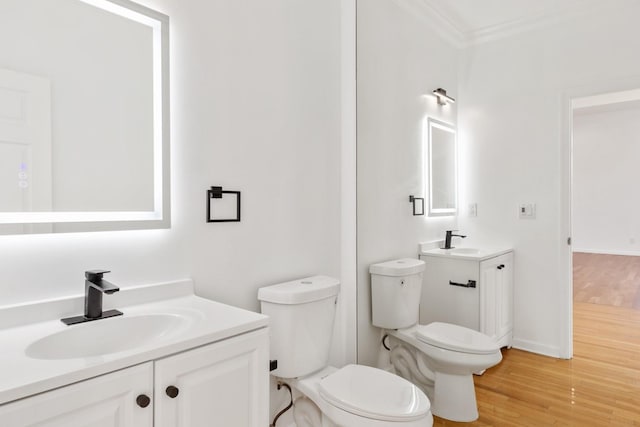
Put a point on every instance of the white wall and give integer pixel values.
(606, 149)
(400, 60)
(255, 107)
(511, 119)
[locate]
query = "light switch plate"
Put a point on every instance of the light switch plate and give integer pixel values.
(527, 211)
(473, 209)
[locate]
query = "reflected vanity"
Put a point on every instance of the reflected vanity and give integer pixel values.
(84, 116)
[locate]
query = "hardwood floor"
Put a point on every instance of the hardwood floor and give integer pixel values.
(599, 387)
(607, 279)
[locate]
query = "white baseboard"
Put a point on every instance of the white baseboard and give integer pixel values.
(536, 347)
(607, 251)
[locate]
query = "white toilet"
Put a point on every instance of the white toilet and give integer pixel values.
(440, 358)
(301, 315)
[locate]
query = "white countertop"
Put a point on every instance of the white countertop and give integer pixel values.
(467, 253)
(21, 375)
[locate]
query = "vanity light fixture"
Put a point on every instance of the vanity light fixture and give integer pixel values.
(158, 215)
(443, 98)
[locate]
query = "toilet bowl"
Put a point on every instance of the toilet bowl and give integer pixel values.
(440, 358)
(448, 355)
(362, 396)
(301, 315)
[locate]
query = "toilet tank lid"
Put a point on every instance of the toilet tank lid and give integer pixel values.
(300, 291)
(398, 267)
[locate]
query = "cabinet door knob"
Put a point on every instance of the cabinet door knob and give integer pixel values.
(172, 391)
(501, 266)
(143, 400)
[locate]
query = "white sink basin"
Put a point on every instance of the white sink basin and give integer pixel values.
(465, 252)
(107, 336)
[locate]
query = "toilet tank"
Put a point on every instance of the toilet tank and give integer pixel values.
(395, 293)
(301, 315)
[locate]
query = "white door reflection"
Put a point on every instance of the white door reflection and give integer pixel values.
(25, 146)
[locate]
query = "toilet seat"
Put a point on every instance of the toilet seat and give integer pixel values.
(374, 393)
(456, 338)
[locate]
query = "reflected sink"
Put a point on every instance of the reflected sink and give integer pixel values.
(107, 336)
(464, 251)
(477, 253)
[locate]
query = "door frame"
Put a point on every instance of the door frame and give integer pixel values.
(564, 250)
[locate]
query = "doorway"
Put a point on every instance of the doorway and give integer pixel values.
(605, 224)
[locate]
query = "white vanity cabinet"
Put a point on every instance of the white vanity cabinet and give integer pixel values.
(173, 359)
(471, 291)
(496, 298)
(105, 401)
(221, 384)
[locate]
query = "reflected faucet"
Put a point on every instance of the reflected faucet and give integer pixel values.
(447, 239)
(94, 287)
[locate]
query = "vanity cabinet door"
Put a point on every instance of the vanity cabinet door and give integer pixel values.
(441, 301)
(496, 298)
(110, 400)
(222, 384)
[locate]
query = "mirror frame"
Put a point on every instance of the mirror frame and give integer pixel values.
(160, 217)
(447, 127)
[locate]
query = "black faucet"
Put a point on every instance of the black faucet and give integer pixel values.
(447, 239)
(94, 287)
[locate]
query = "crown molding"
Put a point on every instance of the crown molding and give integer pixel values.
(430, 12)
(430, 15)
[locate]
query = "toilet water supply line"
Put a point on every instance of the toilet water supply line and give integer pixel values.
(279, 386)
(384, 344)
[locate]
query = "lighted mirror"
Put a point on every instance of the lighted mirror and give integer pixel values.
(84, 116)
(441, 174)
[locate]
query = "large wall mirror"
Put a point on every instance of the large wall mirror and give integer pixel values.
(84, 116)
(442, 173)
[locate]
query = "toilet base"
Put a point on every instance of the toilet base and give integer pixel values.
(462, 408)
(307, 414)
(445, 376)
